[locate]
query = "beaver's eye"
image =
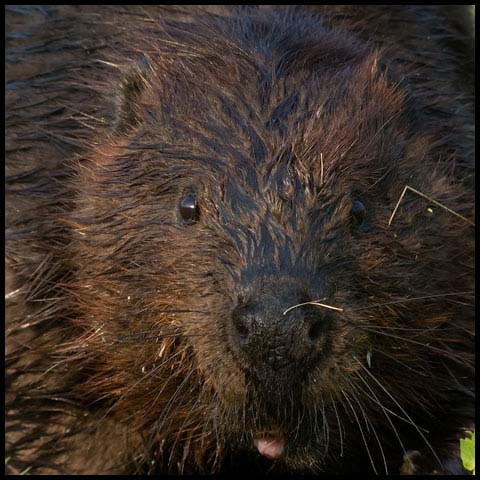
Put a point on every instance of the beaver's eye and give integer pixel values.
(359, 212)
(189, 208)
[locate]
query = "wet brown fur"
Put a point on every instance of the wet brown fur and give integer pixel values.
(118, 313)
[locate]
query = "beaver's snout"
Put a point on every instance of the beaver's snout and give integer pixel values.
(267, 336)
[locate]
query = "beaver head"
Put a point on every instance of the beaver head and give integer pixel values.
(235, 272)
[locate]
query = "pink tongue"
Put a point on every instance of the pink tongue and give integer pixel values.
(270, 447)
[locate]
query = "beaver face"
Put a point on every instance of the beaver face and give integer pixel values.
(238, 197)
(207, 274)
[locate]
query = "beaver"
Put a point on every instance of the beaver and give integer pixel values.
(210, 264)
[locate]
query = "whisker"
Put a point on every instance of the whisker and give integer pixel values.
(148, 312)
(326, 427)
(170, 403)
(384, 409)
(181, 429)
(407, 329)
(361, 431)
(413, 299)
(449, 354)
(403, 364)
(401, 408)
(148, 374)
(368, 422)
(339, 425)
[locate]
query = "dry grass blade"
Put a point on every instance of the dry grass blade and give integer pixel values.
(314, 302)
(430, 199)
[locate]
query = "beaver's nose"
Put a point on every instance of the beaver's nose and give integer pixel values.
(267, 336)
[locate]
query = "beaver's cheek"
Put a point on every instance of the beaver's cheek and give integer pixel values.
(270, 447)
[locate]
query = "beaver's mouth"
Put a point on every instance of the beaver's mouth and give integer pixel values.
(270, 445)
(271, 441)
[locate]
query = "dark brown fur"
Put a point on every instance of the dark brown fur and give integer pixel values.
(119, 324)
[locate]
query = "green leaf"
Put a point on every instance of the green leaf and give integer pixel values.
(467, 452)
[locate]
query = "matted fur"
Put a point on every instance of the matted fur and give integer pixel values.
(119, 346)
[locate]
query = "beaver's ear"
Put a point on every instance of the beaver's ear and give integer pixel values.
(125, 101)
